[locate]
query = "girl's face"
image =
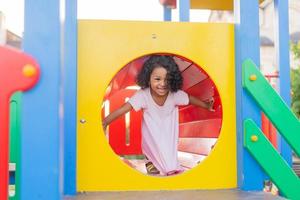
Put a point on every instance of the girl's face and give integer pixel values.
(158, 81)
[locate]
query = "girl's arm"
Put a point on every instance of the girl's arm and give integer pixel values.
(115, 114)
(197, 102)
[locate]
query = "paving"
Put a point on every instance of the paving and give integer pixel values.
(233, 194)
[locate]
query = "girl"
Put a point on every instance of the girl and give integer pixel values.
(159, 97)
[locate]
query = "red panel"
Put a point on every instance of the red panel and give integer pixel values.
(273, 135)
(203, 90)
(265, 125)
(192, 76)
(169, 3)
(182, 64)
(133, 69)
(117, 129)
(269, 130)
(200, 146)
(18, 72)
(116, 83)
(192, 113)
(200, 129)
(125, 77)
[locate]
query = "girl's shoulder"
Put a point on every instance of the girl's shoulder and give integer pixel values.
(143, 93)
(178, 92)
(180, 97)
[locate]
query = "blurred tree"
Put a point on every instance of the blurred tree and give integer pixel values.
(295, 80)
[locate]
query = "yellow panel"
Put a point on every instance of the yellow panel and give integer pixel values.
(104, 47)
(213, 4)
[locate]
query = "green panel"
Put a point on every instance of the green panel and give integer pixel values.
(271, 161)
(272, 105)
(14, 141)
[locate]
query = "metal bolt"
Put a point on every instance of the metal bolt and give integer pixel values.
(29, 70)
(252, 77)
(254, 138)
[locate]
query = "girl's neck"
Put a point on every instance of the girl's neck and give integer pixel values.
(158, 99)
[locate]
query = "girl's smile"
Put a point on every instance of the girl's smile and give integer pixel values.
(158, 82)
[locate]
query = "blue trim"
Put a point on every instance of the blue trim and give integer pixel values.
(70, 97)
(167, 14)
(250, 175)
(281, 9)
(184, 10)
(40, 139)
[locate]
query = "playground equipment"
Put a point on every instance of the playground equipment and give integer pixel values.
(52, 125)
(270, 160)
(19, 72)
(14, 144)
(107, 42)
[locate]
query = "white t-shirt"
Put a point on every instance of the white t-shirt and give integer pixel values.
(160, 127)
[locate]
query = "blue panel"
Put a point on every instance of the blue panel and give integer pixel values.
(250, 175)
(70, 97)
(40, 150)
(167, 14)
(184, 10)
(282, 51)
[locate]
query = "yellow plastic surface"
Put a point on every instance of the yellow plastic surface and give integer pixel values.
(214, 4)
(104, 47)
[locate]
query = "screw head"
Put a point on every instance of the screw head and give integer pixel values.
(253, 77)
(29, 70)
(254, 138)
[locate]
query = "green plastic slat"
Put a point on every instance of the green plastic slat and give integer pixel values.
(272, 105)
(14, 141)
(271, 161)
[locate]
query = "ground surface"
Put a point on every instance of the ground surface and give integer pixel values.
(177, 195)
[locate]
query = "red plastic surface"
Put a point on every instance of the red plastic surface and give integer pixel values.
(269, 130)
(169, 3)
(201, 129)
(12, 79)
(117, 129)
(267, 127)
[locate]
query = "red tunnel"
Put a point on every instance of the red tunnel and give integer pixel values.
(199, 128)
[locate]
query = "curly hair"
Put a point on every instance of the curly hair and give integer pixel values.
(174, 77)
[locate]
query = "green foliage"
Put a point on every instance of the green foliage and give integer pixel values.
(295, 80)
(295, 47)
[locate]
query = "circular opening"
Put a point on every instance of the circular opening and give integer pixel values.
(199, 128)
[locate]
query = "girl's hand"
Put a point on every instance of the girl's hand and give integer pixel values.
(210, 104)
